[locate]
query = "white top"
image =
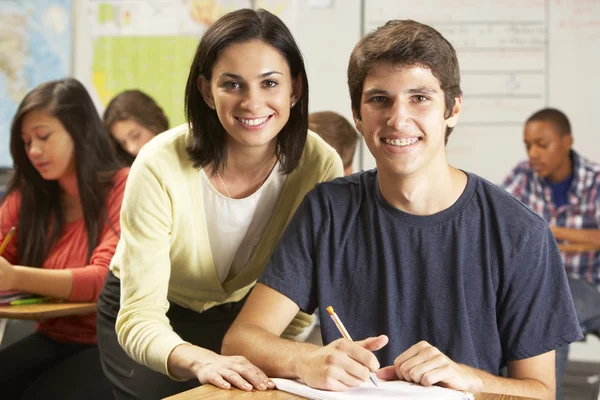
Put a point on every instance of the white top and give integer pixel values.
(235, 226)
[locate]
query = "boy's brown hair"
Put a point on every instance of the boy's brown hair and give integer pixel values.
(337, 132)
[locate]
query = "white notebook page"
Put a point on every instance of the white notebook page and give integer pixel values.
(386, 390)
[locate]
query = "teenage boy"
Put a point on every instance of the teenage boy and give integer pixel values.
(445, 276)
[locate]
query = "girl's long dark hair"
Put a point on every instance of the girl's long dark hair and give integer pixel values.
(41, 216)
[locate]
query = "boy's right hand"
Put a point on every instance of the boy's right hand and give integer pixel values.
(342, 364)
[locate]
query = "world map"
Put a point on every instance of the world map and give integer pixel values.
(35, 46)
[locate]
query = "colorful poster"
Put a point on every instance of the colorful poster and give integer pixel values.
(149, 45)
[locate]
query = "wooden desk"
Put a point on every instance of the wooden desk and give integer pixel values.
(577, 248)
(46, 310)
(211, 392)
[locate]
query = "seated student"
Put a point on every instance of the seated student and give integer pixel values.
(425, 264)
(204, 206)
(564, 189)
(133, 119)
(338, 133)
(64, 199)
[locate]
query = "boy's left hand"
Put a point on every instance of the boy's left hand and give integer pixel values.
(426, 365)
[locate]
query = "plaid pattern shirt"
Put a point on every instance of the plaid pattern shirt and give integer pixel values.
(581, 212)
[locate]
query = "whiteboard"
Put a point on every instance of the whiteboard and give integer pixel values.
(516, 56)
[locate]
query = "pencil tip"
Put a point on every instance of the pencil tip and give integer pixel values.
(374, 380)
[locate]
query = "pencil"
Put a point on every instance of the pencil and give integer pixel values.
(344, 332)
(7, 238)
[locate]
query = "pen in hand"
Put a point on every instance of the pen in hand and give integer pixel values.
(344, 332)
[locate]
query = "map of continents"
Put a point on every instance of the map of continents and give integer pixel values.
(149, 45)
(35, 46)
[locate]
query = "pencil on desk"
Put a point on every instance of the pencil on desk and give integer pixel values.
(344, 332)
(7, 238)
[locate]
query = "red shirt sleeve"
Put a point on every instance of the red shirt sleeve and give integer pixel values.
(88, 281)
(9, 217)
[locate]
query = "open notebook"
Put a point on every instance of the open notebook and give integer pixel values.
(386, 390)
(7, 296)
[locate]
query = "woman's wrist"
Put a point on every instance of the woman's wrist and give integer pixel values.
(185, 359)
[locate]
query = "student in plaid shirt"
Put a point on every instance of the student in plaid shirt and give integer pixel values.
(564, 188)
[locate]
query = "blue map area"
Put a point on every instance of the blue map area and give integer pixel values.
(35, 47)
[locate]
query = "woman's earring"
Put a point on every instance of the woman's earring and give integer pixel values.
(292, 105)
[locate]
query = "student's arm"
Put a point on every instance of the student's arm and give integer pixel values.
(35, 280)
(287, 285)
(516, 181)
(589, 238)
(426, 365)
(46, 282)
(255, 334)
(73, 284)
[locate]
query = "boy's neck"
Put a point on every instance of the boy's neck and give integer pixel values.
(426, 192)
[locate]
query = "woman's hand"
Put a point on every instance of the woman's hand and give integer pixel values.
(224, 371)
(189, 361)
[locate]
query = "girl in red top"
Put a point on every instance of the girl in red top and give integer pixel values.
(64, 199)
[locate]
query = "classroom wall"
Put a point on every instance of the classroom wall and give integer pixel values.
(326, 37)
(516, 56)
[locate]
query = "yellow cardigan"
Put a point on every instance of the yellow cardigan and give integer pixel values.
(164, 251)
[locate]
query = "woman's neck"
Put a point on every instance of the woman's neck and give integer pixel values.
(245, 170)
(247, 161)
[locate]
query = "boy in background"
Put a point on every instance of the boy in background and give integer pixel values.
(338, 133)
(564, 189)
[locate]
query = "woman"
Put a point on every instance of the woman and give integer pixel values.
(64, 199)
(205, 205)
(133, 119)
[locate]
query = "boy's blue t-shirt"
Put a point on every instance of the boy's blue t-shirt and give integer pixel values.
(560, 191)
(482, 281)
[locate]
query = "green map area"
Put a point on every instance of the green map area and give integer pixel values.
(157, 65)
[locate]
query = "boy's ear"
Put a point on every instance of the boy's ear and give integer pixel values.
(452, 120)
(567, 141)
(204, 88)
(357, 121)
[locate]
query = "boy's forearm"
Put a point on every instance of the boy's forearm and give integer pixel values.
(513, 386)
(277, 357)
